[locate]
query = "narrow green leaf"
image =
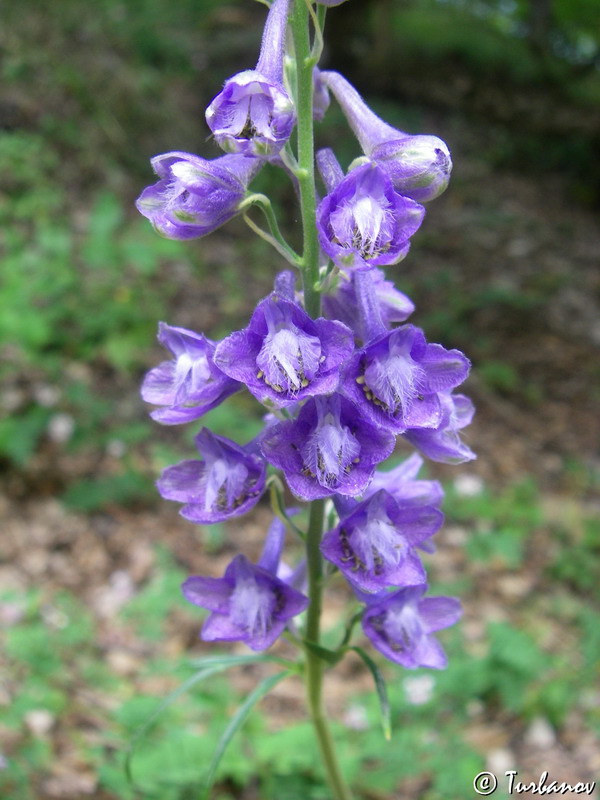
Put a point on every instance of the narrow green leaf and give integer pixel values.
(330, 656)
(210, 666)
(235, 661)
(384, 704)
(238, 719)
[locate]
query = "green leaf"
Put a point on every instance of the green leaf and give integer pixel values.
(329, 656)
(235, 661)
(219, 666)
(384, 704)
(263, 688)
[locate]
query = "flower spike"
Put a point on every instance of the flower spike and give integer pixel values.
(253, 114)
(419, 166)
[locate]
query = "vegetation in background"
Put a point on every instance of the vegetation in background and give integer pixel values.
(509, 673)
(89, 96)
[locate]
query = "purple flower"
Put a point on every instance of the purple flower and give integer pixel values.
(190, 384)
(283, 355)
(227, 483)
(374, 546)
(321, 98)
(400, 625)
(330, 448)
(402, 483)
(419, 166)
(254, 114)
(443, 443)
(364, 222)
(343, 305)
(194, 196)
(249, 604)
(397, 378)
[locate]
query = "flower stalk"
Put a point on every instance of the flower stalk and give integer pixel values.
(305, 63)
(306, 59)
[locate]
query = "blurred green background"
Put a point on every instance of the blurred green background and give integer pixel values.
(93, 629)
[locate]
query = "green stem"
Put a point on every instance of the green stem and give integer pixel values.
(275, 238)
(314, 664)
(306, 59)
(306, 156)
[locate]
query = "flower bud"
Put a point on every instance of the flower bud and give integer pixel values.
(419, 166)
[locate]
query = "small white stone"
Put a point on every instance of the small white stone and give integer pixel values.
(468, 485)
(500, 760)
(456, 535)
(356, 718)
(39, 721)
(540, 734)
(110, 598)
(55, 617)
(419, 690)
(46, 396)
(61, 427)
(116, 448)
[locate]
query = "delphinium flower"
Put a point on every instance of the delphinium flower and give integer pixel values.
(404, 485)
(397, 379)
(329, 448)
(188, 385)
(343, 304)
(195, 196)
(284, 356)
(363, 221)
(443, 443)
(249, 603)
(254, 114)
(226, 483)
(419, 166)
(375, 545)
(400, 625)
